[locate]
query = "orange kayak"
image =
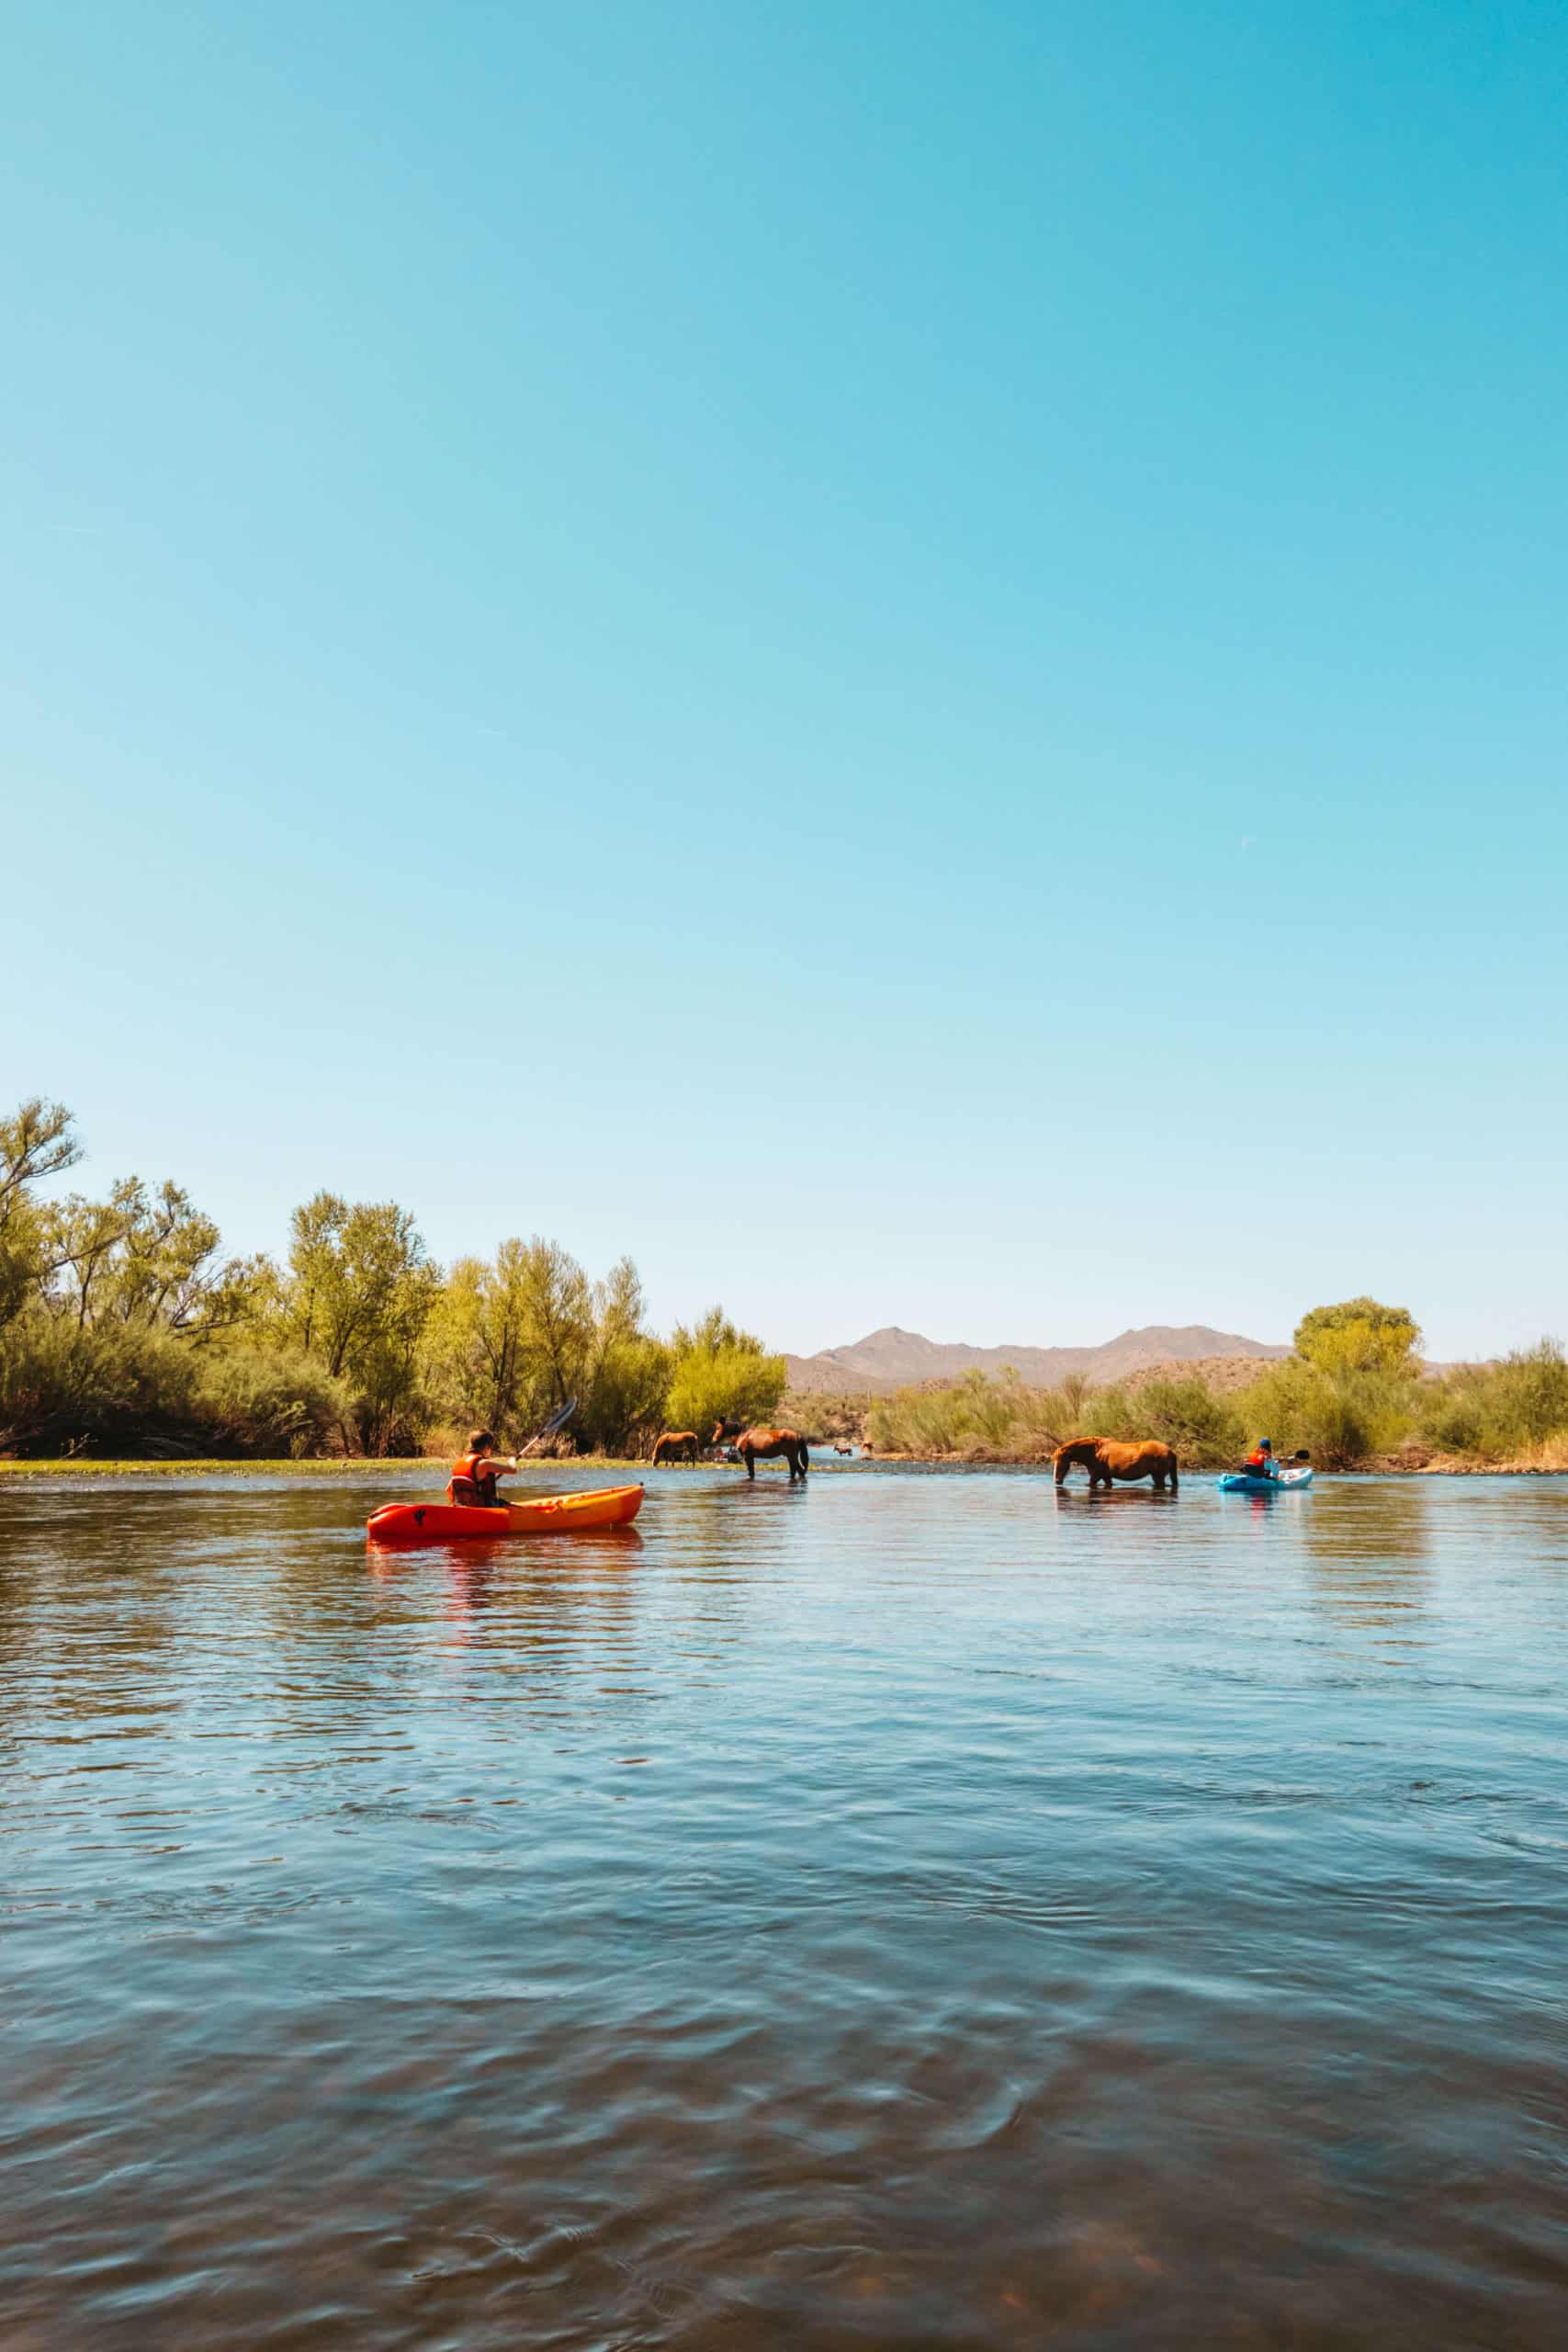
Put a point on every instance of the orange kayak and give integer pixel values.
(542, 1515)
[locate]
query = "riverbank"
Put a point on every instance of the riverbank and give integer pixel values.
(1511, 1415)
(1387, 1466)
(437, 1467)
(1552, 1463)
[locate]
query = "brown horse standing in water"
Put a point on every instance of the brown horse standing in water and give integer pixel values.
(764, 1445)
(1104, 1460)
(676, 1445)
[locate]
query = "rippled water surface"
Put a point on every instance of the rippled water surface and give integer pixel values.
(916, 1910)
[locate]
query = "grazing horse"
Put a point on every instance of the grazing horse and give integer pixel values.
(676, 1445)
(844, 1449)
(764, 1445)
(1104, 1460)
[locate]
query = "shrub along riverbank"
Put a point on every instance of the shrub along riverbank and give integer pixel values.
(21, 1469)
(1347, 1412)
(126, 1330)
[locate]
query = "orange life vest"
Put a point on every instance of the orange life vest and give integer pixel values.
(465, 1486)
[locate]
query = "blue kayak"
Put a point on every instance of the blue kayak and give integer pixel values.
(1257, 1482)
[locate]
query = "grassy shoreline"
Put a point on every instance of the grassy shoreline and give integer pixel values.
(1360, 1414)
(1557, 1468)
(437, 1468)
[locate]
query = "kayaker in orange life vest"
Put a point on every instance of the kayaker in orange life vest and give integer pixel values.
(473, 1478)
(1260, 1461)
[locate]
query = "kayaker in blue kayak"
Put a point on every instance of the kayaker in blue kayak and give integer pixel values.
(1260, 1461)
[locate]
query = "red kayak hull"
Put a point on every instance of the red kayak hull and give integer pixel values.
(540, 1515)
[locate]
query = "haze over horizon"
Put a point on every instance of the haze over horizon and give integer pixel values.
(905, 662)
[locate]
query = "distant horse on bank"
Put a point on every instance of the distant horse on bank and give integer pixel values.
(1105, 1460)
(676, 1445)
(844, 1449)
(764, 1445)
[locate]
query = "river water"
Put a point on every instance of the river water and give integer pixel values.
(916, 1910)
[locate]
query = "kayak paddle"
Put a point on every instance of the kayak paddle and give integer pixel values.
(555, 1421)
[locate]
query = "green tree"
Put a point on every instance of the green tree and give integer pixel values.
(149, 1259)
(473, 1343)
(514, 1337)
(358, 1293)
(1359, 1335)
(628, 1375)
(555, 1302)
(37, 1142)
(720, 1372)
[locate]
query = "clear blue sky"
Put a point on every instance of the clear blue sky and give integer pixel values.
(908, 659)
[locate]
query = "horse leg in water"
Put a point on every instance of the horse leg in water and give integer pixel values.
(749, 1459)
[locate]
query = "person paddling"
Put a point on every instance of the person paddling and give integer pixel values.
(1260, 1461)
(473, 1478)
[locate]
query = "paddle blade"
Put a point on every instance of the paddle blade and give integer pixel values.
(557, 1420)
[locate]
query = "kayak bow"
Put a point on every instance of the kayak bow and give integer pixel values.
(573, 1514)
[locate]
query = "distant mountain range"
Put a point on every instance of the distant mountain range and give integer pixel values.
(892, 1359)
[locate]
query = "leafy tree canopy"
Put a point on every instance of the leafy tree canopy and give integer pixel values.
(1358, 1335)
(36, 1142)
(721, 1374)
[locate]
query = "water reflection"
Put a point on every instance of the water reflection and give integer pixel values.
(919, 1909)
(1400, 1526)
(1369, 1566)
(1102, 1498)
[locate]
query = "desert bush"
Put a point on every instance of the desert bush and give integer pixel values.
(270, 1403)
(825, 1417)
(1339, 1416)
(1204, 1427)
(1501, 1410)
(976, 1416)
(70, 1388)
(129, 1390)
